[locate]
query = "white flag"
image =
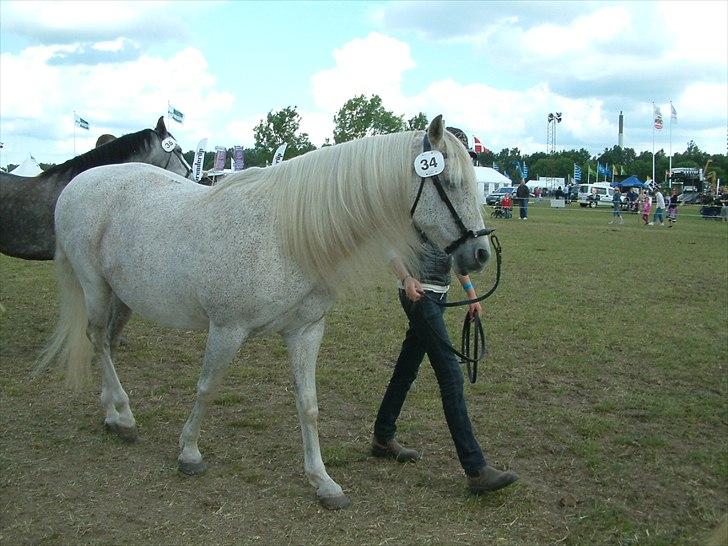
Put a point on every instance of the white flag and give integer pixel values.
(80, 122)
(176, 115)
(199, 158)
(280, 152)
(673, 113)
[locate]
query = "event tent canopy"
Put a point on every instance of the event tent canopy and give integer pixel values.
(29, 167)
(631, 182)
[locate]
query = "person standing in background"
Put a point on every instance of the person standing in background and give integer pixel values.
(646, 206)
(617, 207)
(672, 209)
(659, 208)
(522, 195)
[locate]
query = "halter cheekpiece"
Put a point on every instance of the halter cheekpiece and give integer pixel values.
(465, 233)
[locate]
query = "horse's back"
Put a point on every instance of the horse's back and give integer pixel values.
(118, 195)
(26, 216)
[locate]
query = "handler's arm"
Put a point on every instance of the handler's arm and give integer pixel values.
(412, 286)
(467, 284)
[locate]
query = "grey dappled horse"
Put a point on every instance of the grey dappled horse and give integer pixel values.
(27, 203)
(261, 252)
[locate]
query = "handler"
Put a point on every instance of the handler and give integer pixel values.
(420, 340)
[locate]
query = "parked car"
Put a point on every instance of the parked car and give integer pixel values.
(597, 194)
(495, 197)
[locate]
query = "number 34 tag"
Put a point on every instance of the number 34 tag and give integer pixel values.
(429, 163)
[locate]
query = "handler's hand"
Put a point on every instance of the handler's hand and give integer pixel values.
(475, 310)
(413, 289)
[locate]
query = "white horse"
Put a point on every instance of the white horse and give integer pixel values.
(261, 252)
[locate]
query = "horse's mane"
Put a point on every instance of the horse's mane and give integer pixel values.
(117, 151)
(328, 202)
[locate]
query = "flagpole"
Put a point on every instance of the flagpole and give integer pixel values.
(670, 167)
(653, 142)
(74, 133)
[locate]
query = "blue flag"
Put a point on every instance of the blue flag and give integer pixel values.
(577, 173)
(524, 169)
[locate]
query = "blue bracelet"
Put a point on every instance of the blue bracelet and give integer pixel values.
(468, 286)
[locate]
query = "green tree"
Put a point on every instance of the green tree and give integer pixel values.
(360, 117)
(417, 123)
(279, 127)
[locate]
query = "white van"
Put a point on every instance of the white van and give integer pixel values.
(595, 195)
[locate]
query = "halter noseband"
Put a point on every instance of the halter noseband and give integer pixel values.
(465, 233)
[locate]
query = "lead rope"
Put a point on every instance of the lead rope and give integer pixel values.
(472, 348)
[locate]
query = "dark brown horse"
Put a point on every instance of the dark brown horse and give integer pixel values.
(27, 204)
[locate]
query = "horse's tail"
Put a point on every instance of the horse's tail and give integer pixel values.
(69, 344)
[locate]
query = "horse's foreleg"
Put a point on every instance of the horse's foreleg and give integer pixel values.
(303, 347)
(222, 344)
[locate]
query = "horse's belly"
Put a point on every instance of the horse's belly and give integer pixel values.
(168, 310)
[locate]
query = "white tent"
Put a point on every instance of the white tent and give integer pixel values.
(490, 180)
(29, 167)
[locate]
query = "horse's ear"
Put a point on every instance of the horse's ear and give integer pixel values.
(161, 128)
(436, 130)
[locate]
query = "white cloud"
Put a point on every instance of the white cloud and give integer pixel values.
(115, 98)
(78, 21)
(374, 65)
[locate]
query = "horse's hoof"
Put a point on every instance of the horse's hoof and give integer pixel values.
(338, 502)
(192, 469)
(127, 434)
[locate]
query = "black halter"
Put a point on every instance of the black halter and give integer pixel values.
(465, 233)
(180, 157)
(473, 349)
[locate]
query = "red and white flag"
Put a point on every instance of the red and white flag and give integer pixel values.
(478, 146)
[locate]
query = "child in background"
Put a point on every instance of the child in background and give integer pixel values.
(617, 207)
(672, 209)
(506, 204)
(646, 206)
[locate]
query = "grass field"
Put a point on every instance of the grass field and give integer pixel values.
(605, 389)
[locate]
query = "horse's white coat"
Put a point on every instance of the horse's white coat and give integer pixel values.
(257, 254)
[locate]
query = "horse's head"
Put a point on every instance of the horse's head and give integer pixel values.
(167, 153)
(446, 206)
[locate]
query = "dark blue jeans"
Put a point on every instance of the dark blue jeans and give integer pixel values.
(419, 341)
(524, 208)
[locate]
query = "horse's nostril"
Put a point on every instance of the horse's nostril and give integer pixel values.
(481, 255)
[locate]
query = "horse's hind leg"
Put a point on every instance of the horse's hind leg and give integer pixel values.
(103, 323)
(222, 344)
(303, 347)
(120, 315)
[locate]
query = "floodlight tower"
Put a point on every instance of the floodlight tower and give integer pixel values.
(553, 120)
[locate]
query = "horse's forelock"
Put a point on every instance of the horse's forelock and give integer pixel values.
(460, 166)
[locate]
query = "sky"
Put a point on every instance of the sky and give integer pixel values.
(495, 69)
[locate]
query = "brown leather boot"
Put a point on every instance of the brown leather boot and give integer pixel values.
(395, 450)
(490, 479)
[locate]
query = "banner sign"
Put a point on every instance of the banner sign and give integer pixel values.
(280, 152)
(238, 158)
(199, 158)
(220, 156)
